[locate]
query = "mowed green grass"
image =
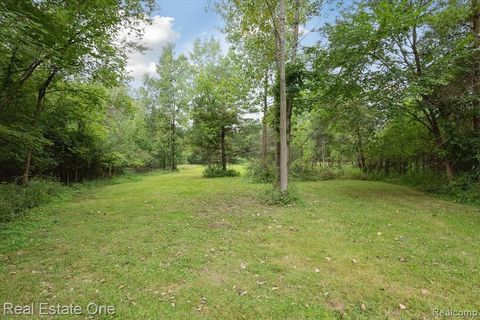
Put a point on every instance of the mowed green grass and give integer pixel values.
(179, 246)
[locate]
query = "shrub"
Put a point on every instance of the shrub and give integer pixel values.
(314, 173)
(217, 172)
(259, 173)
(274, 196)
(354, 173)
(15, 199)
(464, 189)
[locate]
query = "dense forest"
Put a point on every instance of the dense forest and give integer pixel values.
(392, 89)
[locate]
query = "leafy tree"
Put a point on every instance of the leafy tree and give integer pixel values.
(408, 58)
(220, 97)
(53, 42)
(170, 94)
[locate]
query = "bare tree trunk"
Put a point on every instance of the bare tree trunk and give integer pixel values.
(264, 120)
(431, 117)
(76, 171)
(439, 139)
(449, 170)
(38, 110)
(476, 64)
(296, 24)
(222, 148)
(173, 145)
(294, 49)
(361, 155)
(283, 101)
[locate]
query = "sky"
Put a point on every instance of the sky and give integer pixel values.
(183, 21)
(178, 21)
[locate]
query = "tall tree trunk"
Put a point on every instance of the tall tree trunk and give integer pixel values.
(38, 110)
(294, 49)
(361, 155)
(283, 101)
(264, 120)
(431, 117)
(296, 25)
(476, 64)
(173, 145)
(222, 148)
(440, 141)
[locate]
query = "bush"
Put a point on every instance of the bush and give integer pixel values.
(274, 196)
(15, 199)
(217, 172)
(259, 173)
(314, 173)
(464, 189)
(354, 173)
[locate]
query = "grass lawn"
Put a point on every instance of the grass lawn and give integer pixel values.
(179, 246)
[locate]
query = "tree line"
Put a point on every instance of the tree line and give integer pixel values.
(391, 88)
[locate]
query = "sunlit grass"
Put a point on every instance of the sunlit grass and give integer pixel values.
(179, 246)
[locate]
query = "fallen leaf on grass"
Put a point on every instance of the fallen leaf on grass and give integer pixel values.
(363, 307)
(241, 292)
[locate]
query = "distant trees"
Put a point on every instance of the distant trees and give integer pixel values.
(262, 28)
(401, 77)
(220, 97)
(167, 99)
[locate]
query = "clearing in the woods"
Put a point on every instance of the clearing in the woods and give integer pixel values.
(177, 245)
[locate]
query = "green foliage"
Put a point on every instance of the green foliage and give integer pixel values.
(464, 189)
(220, 97)
(61, 61)
(218, 172)
(258, 172)
(274, 197)
(320, 173)
(16, 199)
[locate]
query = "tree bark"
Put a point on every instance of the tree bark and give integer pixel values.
(264, 120)
(38, 110)
(430, 115)
(296, 24)
(476, 64)
(361, 155)
(449, 170)
(283, 186)
(173, 145)
(222, 148)
(294, 49)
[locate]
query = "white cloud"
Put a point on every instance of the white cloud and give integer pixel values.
(187, 47)
(155, 36)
